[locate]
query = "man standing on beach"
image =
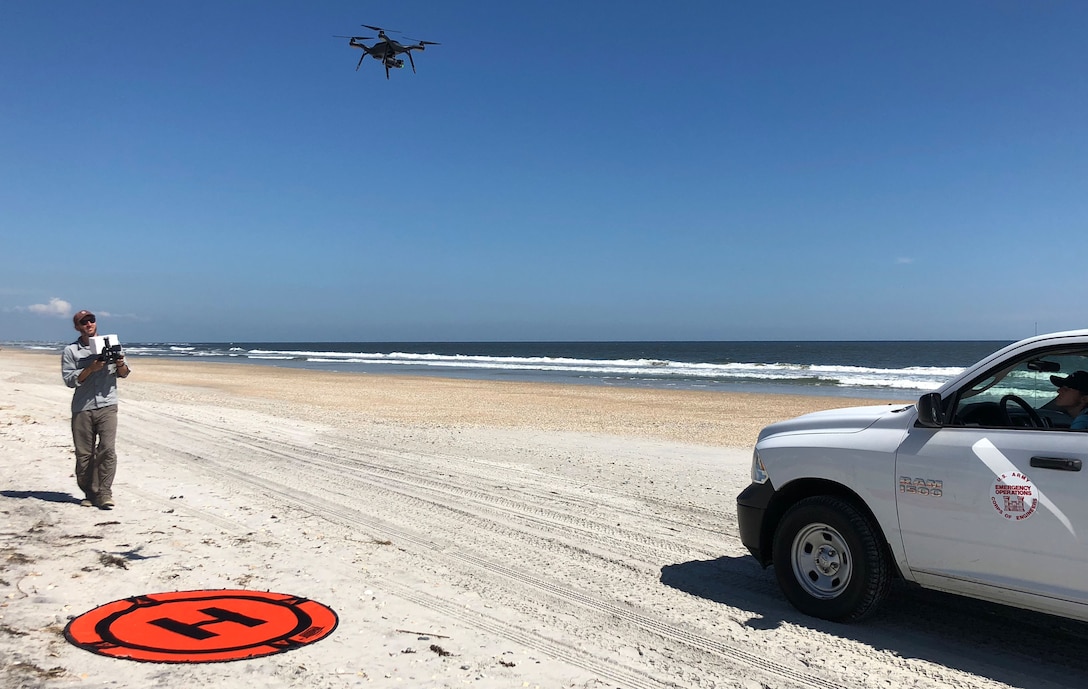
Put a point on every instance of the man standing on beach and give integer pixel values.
(94, 412)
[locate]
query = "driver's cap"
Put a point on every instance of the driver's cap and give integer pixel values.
(1078, 380)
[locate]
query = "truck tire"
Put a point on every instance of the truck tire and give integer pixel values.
(829, 560)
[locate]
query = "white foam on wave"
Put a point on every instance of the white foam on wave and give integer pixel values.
(910, 378)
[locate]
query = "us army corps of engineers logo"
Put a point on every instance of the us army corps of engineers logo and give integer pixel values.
(1014, 496)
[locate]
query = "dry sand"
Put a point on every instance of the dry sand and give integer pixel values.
(467, 533)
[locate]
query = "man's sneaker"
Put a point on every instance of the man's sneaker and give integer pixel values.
(86, 502)
(106, 504)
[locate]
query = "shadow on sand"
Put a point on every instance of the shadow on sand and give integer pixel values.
(43, 495)
(1008, 645)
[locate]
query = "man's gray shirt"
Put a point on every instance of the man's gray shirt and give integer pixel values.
(98, 390)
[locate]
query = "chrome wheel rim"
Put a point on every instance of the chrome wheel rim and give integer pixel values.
(821, 561)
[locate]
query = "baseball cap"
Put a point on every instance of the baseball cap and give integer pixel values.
(1078, 380)
(79, 316)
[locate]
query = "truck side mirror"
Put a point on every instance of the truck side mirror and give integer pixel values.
(930, 412)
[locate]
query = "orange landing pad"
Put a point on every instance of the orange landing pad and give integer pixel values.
(201, 626)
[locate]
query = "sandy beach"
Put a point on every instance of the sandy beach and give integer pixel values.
(466, 533)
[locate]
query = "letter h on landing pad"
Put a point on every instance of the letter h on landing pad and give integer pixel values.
(195, 630)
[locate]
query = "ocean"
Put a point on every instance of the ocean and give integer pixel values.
(879, 369)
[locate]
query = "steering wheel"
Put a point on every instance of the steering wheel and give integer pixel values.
(1033, 416)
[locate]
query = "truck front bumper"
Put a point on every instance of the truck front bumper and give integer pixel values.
(752, 506)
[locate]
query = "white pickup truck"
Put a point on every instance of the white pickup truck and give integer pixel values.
(978, 489)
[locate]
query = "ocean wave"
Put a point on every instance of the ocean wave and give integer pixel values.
(911, 378)
(715, 370)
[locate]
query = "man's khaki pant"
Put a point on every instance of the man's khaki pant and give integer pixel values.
(95, 466)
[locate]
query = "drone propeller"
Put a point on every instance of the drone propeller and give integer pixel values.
(356, 38)
(380, 30)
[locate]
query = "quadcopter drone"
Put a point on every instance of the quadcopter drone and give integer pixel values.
(386, 49)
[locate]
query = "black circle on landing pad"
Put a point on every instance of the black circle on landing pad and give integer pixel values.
(210, 626)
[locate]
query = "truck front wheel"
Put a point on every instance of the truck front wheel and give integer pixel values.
(829, 560)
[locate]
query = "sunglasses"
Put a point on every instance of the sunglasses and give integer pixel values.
(86, 319)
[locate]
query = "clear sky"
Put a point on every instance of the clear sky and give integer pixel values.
(601, 170)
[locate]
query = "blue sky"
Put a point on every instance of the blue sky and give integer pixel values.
(218, 170)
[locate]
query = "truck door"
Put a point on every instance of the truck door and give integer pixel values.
(999, 495)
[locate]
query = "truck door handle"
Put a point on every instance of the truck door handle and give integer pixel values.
(1060, 463)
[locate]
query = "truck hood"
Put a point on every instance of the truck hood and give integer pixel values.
(848, 420)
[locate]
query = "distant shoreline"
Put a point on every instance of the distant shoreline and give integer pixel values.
(694, 416)
(880, 370)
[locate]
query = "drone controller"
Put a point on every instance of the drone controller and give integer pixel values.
(107, 348)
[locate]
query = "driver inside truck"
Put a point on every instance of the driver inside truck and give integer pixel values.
(1073, 398)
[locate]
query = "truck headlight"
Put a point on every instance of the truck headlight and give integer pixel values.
(759, 474)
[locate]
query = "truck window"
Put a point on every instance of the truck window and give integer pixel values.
(1001, 397)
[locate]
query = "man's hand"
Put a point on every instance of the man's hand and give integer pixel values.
(93, 367)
